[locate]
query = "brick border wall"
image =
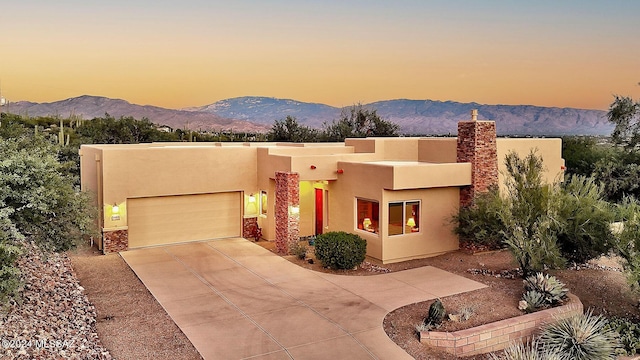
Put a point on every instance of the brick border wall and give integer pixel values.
(115, 241)
(498, 335)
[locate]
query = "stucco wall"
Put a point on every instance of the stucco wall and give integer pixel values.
(160, 171)
(435, 237)
(549, 149)
(437, 150)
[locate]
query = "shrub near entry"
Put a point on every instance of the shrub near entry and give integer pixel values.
(340, 250)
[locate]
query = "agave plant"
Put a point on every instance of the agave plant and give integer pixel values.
(532, 301)
(581, 337)
(552, 290)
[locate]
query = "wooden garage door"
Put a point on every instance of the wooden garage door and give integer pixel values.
(174, 219)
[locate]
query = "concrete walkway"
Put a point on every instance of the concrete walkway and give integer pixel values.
(235, 300)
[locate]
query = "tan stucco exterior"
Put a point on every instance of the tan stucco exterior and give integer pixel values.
(381, 170)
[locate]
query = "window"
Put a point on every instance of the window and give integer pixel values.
(263, 202)
(404, 217)
(368, 215)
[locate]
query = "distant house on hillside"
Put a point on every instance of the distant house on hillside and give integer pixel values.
(397, 193)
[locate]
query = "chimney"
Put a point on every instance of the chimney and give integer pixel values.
(477, 145)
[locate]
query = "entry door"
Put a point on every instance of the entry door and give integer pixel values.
(319, 211)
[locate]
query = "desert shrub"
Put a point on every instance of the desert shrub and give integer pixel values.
(9, 272)
(580, 337)
(583, 220)
(628, 239)
(535, 249)
(45, 205)
(481, 223)
(628, 335)
(340, 250)
(9, 253)
(299, 249)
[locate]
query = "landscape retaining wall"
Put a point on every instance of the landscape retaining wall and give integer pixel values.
(498, 335)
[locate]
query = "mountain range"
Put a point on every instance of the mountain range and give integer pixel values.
(257, 114)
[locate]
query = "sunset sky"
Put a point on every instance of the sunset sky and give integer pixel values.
(194, 52)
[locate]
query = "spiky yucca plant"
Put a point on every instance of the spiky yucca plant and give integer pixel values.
(552, 290)
(581, 337)
(521, 351)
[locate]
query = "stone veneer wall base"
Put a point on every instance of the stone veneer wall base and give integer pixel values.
(115, 241)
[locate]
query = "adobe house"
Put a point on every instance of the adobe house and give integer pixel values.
(397, 193)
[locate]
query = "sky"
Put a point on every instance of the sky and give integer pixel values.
(185, 53)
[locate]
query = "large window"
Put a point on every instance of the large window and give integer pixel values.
(368, 215)
(404, 217)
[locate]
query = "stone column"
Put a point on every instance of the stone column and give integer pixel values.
(287, 218)
(477, 145)
(115, 241)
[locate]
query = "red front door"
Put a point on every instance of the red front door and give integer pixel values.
(319, 212)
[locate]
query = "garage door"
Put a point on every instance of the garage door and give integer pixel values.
(174, 219)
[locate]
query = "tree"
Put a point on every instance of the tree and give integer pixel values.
(358, 121)
(625, 114)
(289, 130)
(126, 130)
(581, 154)
(619, 173)
(544, 225)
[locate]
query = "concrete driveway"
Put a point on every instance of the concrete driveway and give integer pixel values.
(235, 300)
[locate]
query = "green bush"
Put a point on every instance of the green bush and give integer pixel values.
(9, 253)
(628, 335)
(581, 337)
(481, 223)
(583, 220)
(628, 239)
(340, 250)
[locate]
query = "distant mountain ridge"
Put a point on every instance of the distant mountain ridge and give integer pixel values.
(252, 113)
(89, 107)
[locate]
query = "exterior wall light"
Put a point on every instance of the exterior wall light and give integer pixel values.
(252, 198)
(294, 210)
(312, 167)
(115, 209)
(340, 171)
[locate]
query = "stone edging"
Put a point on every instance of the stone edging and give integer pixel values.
(498, 335)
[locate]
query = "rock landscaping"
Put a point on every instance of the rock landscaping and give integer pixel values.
(52, 318)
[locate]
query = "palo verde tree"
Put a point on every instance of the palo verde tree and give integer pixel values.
(358, 121)
(619, 170)
(624, 113)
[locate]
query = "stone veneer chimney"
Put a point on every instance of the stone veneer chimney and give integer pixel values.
(477, 145)
(287, 198)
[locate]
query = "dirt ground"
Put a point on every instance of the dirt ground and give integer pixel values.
(132, 325)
